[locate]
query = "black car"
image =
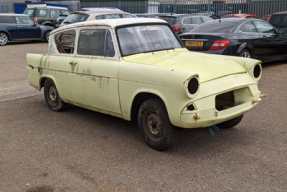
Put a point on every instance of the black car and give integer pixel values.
(182, 23)
(15, 27)
(279, 20)
(46, 15)
(59, 20)
(251, 38)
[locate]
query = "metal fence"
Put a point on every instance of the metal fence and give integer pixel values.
(6, 7)
(223, 7)
(127, 6)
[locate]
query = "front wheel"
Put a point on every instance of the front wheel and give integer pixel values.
(230, 123)
(52, 97)
(3, 39)
(154, 124)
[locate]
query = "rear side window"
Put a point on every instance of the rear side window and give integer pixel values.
(74, 18)
(65, 12)
(42, 12)
(170, 20)
(277, 20)
(128, 16)
(100, 17)
(7, 19)
(29, 12)
(206, 19)
(65, 41)
(55, 13)
(192, 20)
(113, 16)
(248, 27)
(96, 42)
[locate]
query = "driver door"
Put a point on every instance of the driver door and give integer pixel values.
(27, 29)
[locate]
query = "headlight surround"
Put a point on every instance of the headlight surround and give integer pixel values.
(191, 86)
(257, 71)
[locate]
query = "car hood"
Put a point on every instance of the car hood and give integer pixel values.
(207, 66)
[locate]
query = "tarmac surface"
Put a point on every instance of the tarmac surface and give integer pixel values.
(81, 150)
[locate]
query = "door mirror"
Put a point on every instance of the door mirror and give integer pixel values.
(281, 31)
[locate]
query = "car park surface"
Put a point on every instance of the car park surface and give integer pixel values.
(108, 77)
(239, 37)
(82, 150)
(21, 27)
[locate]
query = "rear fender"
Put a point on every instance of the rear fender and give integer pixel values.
(245, 46)
(9, 37)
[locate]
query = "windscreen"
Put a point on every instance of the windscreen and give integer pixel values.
(170, 20)
(75, 18)
(146, 38)
(216, 27)
(29, 12)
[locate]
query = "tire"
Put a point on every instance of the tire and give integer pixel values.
(230, 123)
(3, 39)
(245, 53)
(52, 97)
(154, 124)
(46, 36)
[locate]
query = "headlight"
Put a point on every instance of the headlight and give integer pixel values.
(257, 70)
(191, 86)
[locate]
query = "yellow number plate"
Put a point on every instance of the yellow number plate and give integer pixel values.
(58, 25)
(194, 43)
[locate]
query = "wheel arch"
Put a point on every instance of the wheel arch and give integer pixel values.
(246, 46)
(7, 33)
(43, 79)
(47, 23)
(139, 98)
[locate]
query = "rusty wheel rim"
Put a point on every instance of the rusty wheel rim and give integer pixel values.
(153, 125)
(52, 95)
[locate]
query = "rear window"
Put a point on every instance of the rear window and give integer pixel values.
(75, 18)
(278, 20)
(29, 12)
(216, 27)
(7, 19)
(170, 20)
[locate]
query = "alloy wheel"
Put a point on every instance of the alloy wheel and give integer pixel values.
(3, 39)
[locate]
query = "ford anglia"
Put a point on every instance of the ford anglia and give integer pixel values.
(139, 69)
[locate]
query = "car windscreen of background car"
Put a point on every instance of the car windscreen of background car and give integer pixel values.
(146, 38)
(215, 27)
(170, 20)
(75, 18)
(278, 21)
(29, 12)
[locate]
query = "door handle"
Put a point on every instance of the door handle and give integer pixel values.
(72, 63)
(19, 26)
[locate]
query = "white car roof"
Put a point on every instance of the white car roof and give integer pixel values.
(110, 22)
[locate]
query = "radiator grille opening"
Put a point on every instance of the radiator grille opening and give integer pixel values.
(224, 101)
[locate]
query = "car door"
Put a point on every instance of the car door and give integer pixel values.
(8, 23)
(27, 29)
(95, 78)
(272, 42)
(57, 62)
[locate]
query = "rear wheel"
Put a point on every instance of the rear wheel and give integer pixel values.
(154, 124)
(3, 39)
(245, 53)
(230, 123)
(52, 97)
(46, 36)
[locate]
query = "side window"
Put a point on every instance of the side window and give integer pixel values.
(96, 42)
(42, 12)
(128, 16)
(24, 20)
(248, 27)
(186, 21)
(7, 19)
(100, 17)
(195, 20)
(55, 13)
(65, 41)
(206, 19)
(263, 27)
(113, 16)
(65, 12)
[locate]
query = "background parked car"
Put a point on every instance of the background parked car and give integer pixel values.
(80, 16)
(239, 37)
(152, 15)
(266, 18)
(59, 20)
(279, 20)
(184, 23)
(15, 27)
(46, 15)
(243, 15)
(100, 8)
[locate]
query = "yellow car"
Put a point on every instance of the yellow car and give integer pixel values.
(139, 69)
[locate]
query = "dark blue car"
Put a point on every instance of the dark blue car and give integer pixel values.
(19, 27)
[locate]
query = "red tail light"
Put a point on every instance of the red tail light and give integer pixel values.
(36, 19)
(176, 28)
(219, 44)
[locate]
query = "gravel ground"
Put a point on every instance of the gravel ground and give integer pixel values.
(81, 150)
